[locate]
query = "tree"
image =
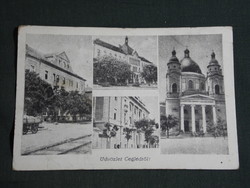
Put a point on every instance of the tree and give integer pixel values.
(128, 134)
(218, 129)
(168, 122)
(76, 104)
(146, 126)
(149, 74)
(109, 132)
(109, 69)
(39, 94)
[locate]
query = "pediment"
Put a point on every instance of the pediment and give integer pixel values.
(64, 56)
(197, 96)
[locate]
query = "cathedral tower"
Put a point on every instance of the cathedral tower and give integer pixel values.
(215, 78)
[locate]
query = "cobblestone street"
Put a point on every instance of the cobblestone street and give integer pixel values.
(51, 133)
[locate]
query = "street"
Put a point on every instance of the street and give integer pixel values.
(198, 145)
(51, 134)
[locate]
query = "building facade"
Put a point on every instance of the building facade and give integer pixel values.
(119, 112)
(54, 69)
(194, 98)
(123, 53)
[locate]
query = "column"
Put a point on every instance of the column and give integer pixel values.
(204, 124)
(214, 115)
(193, 117)
(182, 118)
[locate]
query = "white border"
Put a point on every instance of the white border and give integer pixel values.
(157, 160)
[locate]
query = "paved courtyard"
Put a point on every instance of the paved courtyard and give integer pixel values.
(51, 133)
(198, 145)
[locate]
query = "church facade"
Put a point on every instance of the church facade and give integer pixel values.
(196, 99)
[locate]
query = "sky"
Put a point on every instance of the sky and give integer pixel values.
(151, 103)
(78, 49)
(146, 46)
(200, 47)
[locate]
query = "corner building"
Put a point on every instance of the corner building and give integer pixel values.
(121, 112)
(194, 98)
(55, 69)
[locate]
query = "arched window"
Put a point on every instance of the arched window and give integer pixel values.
(190, 84)
(217, 89)
(174, 88)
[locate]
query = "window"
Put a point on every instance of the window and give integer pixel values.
(98, 52)
(57, 78)
(63, 80)
(185, 111)
(46, 75)
(115, 116)
(202, 86)
(130, 120)
(174, 88)
(68, 66)
(217, 89)
(115, 98)
(190, 84)
(76, 84)
(32, 68)
(54, 76)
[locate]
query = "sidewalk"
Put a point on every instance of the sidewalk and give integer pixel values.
(194, 145)
(52, 133)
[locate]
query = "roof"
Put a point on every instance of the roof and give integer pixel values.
(189, 65)
(39, 56)
(124, 49)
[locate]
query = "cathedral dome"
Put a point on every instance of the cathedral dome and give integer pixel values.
(188, 65)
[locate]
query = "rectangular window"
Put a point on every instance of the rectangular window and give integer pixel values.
(115, 98)
(115, 116)
(46, 75)
(99, 108)
(54, 76)
(32, 68)
(98, 52)
(63, 80)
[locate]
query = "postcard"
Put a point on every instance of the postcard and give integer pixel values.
(112, 98)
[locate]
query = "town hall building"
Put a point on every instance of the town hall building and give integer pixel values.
(196, 99)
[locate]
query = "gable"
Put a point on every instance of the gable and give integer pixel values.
(63, 56)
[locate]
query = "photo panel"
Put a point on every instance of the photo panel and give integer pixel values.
(125, 62)
(57, 110)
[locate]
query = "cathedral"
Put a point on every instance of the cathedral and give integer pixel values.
(195, 98)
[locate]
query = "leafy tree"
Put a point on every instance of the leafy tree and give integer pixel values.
(110, 69)
(147, 127)
(38, 94)
(154, 140)
(168, 122)
(128, 134)
(109, 132)
(218, 129)
(149, 74)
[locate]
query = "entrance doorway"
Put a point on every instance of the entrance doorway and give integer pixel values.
(186, 126)
(197, 126)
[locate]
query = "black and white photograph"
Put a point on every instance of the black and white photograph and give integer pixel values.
(193, 109)
(57, 95)
(125, 62)
(125, 122)
(89, 98)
